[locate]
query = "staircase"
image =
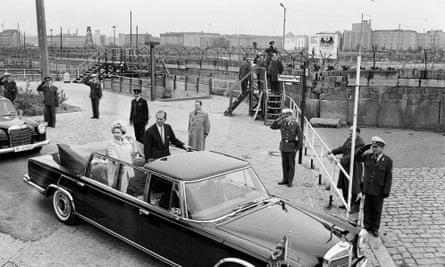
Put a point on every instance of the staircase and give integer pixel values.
(90, 69)
(273, 107)
(235, 104)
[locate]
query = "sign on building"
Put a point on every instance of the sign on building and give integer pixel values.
(324, 45)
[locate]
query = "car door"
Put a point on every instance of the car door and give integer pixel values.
(105, 205)
(162, 231)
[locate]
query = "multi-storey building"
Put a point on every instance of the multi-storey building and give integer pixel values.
(296, 42)
(395, 39)
(351, 39)
(431, 40)
(11, 38)
(133, 40)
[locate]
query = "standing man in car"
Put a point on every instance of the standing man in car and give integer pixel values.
(291, 142)
(95, 93)
(10, 87)
(139, 115)
(50, 100)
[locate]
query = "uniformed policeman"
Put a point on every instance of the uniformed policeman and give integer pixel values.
(50, 100)
(95, 93)
(10, 87)
(291, 142)
(376, 182)
(139, 115)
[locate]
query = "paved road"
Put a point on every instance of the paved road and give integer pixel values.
(35, 238)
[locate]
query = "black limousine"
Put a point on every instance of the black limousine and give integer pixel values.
(193, 209)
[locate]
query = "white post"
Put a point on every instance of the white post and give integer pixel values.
(354, 120)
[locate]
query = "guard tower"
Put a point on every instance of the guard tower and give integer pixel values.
(89, 40)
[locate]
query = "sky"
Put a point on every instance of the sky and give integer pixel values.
(263, 17)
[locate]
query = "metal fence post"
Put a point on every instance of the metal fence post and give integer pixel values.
(197, 85)
(174, 82)
(131, 84)
(186, 80)
(120, 84)
(210, 86)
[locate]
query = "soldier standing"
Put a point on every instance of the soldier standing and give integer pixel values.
(139, 115)
(10, 86)
(291, 142)
(50, 100)
(376, 182)
(95, 94)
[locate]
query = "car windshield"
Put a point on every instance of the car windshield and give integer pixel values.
(7, 108)
(225, 194)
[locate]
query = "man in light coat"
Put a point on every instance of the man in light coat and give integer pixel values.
(199, 127)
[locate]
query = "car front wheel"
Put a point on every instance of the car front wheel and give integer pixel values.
(63, 208)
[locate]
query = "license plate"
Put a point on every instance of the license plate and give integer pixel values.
(22, 148)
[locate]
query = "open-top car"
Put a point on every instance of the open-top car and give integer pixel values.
(193, 209)
(17, 133)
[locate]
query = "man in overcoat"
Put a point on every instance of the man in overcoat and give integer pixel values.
(10, 87)
(291, 142)
(244, 69)
(199, 127)
(139, 115)
(50, 100)
(95, 94)
(158, 138)
(343, 182)
(376, 182)
(275, 68)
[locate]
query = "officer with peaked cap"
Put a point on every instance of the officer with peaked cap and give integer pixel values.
(50, 100)
(95, 93)
(139, 115)
(376, 182)
(291, 142)
(10, 87)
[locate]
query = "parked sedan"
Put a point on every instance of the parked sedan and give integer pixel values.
(19, 134)
(193, 209)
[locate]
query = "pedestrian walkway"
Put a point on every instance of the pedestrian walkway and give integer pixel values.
(238, 135)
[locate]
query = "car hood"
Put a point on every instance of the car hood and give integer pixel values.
(310, 236)
(8, 121)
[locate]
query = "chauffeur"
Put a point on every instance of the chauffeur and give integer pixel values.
(376, 182)
(139, 115)
(291, 141)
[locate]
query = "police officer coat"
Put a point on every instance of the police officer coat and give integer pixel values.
(139, 111)
(291, 134)
(378, 174)
(50, 96)
(95, 89)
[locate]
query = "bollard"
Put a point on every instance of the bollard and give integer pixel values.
(319, 179)
(331, 199)
(305, 151)
(312, 163)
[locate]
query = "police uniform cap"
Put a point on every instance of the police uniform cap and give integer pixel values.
(286, 111)
(377, 140)
(47, 78)
(6, 74)
(136, 91)
(93, 75)
(272, 42)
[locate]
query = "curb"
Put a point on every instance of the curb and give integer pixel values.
(380, 252)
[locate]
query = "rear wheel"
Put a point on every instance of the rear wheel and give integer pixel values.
(63, 208)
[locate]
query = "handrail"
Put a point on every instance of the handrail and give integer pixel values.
(324, 147)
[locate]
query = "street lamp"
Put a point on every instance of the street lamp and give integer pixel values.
(51, 42)
(114, 35)
(284, 22)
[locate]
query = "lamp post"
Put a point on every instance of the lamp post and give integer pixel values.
(152, 67)
(284, 23)
(51, 42)
(114, 35)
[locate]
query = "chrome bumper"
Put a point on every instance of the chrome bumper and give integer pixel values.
(24, 147)
(27, 180)
(362, 262)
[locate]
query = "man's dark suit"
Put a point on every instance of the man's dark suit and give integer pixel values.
(95, 95)
(153, 146)
(291, 142)
(51, 101)
(139, 117)
(376, 187)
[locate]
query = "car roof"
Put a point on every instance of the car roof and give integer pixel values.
(195, 165)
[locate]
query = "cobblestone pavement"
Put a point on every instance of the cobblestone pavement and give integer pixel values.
(414, 217)
(251, 140)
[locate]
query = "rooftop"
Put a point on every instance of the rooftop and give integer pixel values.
(195, 165)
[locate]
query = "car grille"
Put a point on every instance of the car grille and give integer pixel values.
(18, 137)
(340, 262)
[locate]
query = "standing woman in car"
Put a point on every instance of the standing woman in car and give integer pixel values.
(122, 147)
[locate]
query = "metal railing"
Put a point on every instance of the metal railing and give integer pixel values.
(328, 166)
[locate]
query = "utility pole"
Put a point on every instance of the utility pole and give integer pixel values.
(303, 107)
(114, 35)
(41, 32)
(61, 44)
(131, 29)
(284, 23)
(137, 37)
(425, 62)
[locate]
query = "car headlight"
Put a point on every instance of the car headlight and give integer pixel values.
(41, 128)
(362, 240)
